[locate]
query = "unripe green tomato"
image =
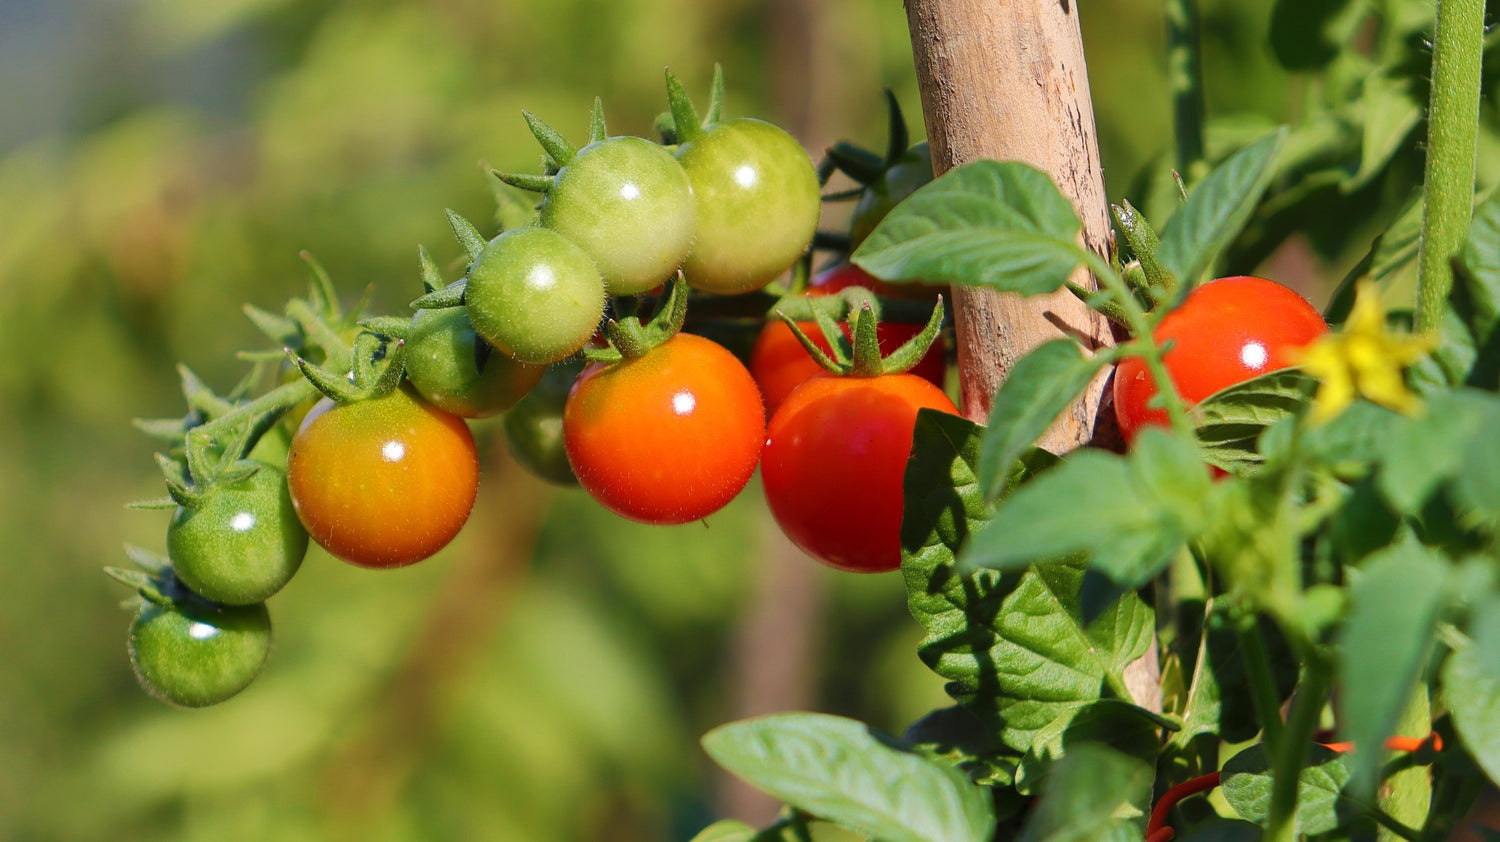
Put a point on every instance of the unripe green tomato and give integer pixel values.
(627, 202)
(195, 654)
(534, 295)
(240, 543)
(443, 361)
(757, 205)
(534, 426)
(911, 171)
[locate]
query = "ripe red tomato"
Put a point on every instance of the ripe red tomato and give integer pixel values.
(668, 437)
(1225, 332)
(780, 364)
(835, 457)
(383, 482)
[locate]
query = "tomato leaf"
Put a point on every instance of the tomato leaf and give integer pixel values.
(1389, 111)
(1230, 421)
(1394, 604)
(1218, 208)
(728, 830)
(1420, 454)
(1040, 386)
(1085, 795)
(1476, 291)
(1015, 647)
(1219, 700)
(841, 771)
(1140, 510)
(987, 223)
(1128, 729)
(1471, 685)
(1246, 784)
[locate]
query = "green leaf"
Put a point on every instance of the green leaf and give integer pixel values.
(1476, 292)
(1391, 255)
(1219, 700)
(1040, 386)
(841, 771)
(1389, 111)
(1093, 794)
(1394, 604)
(954, 735)
(1246, 784)
(1137, 511)
(1304, 34)
(1471, 685)
(1130, 730)
(1420, 454)
(1002, 225)
(1218, 208)
(728, 830)
(1230, 421)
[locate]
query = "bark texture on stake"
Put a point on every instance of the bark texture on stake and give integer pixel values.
(1006, 79)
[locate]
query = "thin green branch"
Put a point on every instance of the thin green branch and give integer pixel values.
(1185, 76)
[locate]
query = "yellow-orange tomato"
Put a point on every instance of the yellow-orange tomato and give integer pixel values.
(383, 482)
(668, 437)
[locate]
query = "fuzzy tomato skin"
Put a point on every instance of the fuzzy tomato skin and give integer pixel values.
(442, 362)
(383, 482)
(757, 201)
(241, 543)
(535, 295)
(195, 654)
(834, 461)
(1225, 332)
(669, 437)
(628, 203)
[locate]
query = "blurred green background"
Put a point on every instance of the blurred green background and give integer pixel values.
(163, 162)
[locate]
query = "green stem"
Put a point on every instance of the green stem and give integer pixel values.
(1139, 324)
(1262, 683)
(1185, 76)
(1290, 756)
(1407, 795)
(274, 402)
(1452, 131)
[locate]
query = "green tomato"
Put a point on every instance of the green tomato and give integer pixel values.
(457, 372)
(901, 179)
(534, 295)
(239, 544)
(534, 427)
(627, 202)
(757, 205)
(195, 654)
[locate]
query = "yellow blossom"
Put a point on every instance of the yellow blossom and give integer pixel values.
(1364, 358)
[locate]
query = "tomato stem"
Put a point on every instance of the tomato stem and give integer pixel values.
(1290, 755)
(1185, 76)
(1262, 682)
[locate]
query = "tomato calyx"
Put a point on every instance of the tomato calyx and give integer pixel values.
(630, 338)
(858, 354)
(153, 580)
(867, 167)
(685, 124)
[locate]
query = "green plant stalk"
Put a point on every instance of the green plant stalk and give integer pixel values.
(1407, 795)
(1185, 76)
(1139, 325)
(1290, 756)
(1452, 131)
(278, 400)
(1262, 683)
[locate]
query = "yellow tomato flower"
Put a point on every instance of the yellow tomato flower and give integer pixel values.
(1363, 358)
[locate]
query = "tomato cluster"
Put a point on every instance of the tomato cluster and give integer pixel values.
(362, 444)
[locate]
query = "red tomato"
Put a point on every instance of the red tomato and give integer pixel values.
(668, 437)
(779, 363)
(835, 456)
(1225, 332)
(383, 482)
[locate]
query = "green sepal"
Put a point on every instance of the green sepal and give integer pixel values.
(1144, 245)
(322, 297)
(278, 329)
(387, 327)
(239, 472)
(597, 130)
(199, 397)
(838, 196)
(526, 181)
(154, 564)
(267, 355)
(899, 139)
(467, 235)
(153, 503)
(685, 123)
(175, 475)
(836, 364)
(451, 295)
(666, 128)
(367, 346)
(911, 352)
(337, 387)
(395, 369)
(1101, 301)
(866, 341)
(842, 346)
(556, 146)
(858, 163)
(143, 584)
(715, 97)
(432, 277)
(164, 429)
(629, 338)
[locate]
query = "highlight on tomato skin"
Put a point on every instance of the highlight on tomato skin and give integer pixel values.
(384, 482)
(1225, 332)
(669, 437)
(834, 462)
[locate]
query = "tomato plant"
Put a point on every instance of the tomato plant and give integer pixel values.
(835, 455)
(194, 654)
(1225, 332)
(629, 204)
(667, 437)
(238, 544)
(534, 295)
(457, 372)
(383, 482)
